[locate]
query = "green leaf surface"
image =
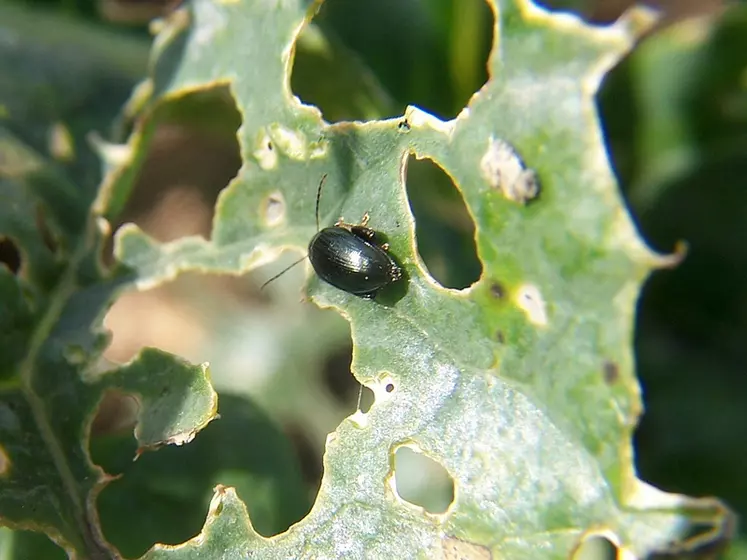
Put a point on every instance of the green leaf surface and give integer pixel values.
(521, 386)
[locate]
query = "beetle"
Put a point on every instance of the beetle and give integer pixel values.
(350, 257)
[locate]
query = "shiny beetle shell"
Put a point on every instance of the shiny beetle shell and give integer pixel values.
(350, 260)
(350, 257)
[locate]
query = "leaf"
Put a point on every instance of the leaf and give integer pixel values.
(63, 80)
(51, 305)
(676, 131)
(164, 495)
(521, 386)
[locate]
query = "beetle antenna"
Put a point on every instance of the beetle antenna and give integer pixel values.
(279, 274)
(318, 196)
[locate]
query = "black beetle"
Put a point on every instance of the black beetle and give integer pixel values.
(349, 257)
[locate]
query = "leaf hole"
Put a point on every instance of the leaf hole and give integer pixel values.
(444, 229)
(307, 454)
(378, 57)
(367, 399)
(422, 481)
(337, 377)
(292, 360)
(165, 493)
(10, 256)
(190, 160)
(383, 389)
(595, 547)
(117, 412)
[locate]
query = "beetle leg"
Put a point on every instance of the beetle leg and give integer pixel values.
(340, 222)
(385, 246)
(365, 219)
(364, 233)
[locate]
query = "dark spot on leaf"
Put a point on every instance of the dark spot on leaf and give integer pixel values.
(500, 337)
(422, 481)
(444, 229)
(596, 547)
(10, 256)
(404, 125)
(497, 290)
(611, 372)
(389, 387)
(219, 508)
(269, 145)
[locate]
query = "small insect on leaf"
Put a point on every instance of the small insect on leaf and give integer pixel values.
(349, 256)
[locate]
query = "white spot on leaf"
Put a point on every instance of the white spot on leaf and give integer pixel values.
(529, 299)
(212, 20)
(383, 389)
(417, 118)
(503, 169)
(274, 209)
(291, 142)
(264, 151)
(318, 149)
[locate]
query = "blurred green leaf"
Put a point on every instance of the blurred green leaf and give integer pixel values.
(330, 76)
(60, 80)
(51, 307)
(429, 54)
(684, 88)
